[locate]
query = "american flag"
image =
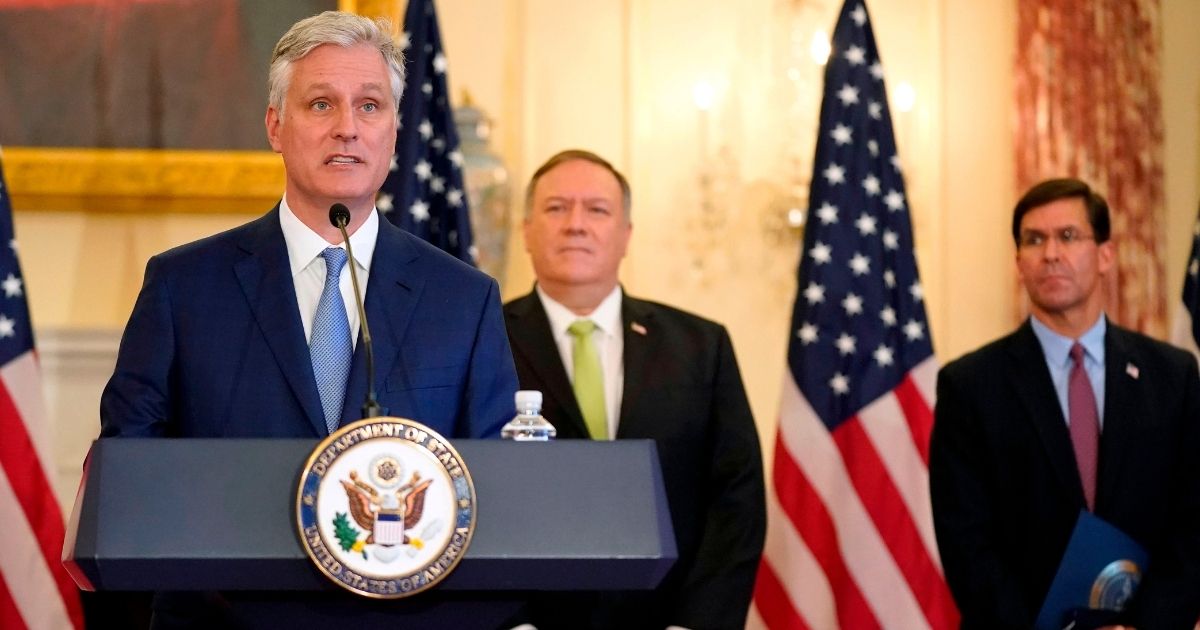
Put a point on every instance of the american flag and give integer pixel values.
(424, 191)
(850, 542)
(1186, 332)
(35, 591)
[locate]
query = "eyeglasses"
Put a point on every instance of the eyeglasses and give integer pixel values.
(1066, 237)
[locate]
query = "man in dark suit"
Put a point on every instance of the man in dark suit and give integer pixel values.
(1070, 412)
(638, 370)
(223, 339)
(252, 332)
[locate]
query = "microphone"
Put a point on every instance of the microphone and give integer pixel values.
(339, 216)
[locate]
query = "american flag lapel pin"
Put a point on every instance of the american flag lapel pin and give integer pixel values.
(1131, 370)
(637, 328)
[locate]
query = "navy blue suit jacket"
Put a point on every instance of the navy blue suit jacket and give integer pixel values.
(215, 346)
(1006, 491)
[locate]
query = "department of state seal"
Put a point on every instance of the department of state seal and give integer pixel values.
(1115, 585)
(385, 507)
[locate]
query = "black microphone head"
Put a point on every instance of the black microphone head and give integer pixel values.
(339, 215)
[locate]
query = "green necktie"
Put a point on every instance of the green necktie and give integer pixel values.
(589, 379)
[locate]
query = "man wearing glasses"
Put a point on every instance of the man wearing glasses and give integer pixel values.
(1070, 412)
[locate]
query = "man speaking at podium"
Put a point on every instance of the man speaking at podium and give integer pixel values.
(254, 332)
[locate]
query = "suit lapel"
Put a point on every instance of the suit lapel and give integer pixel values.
(392, 295)
(266, 279)
(641, 340)
(533, 342)
(1031, 381)
(1120, 409)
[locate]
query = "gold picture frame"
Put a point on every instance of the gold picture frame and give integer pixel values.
(154, 180)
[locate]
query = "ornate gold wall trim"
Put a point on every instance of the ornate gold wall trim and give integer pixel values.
(142, 180)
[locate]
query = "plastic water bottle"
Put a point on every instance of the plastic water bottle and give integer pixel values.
(529, 425)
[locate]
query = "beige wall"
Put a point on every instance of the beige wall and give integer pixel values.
(616, 76)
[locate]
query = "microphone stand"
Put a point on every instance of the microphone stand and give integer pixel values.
(339, 216)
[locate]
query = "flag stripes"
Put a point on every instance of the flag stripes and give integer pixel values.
(35, 590)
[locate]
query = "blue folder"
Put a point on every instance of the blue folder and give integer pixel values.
(1099, 573)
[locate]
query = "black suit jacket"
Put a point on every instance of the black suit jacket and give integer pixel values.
(684, 391)
(1006, 492)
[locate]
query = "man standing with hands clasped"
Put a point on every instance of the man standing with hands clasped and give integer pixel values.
(614, 367)
(1070, 412)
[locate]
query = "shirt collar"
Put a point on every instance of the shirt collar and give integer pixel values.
(1057, 348)
(607, 315)
(304, 245)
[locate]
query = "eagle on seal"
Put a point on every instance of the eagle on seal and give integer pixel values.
(366, 503)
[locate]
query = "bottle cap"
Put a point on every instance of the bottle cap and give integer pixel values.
(529, 398)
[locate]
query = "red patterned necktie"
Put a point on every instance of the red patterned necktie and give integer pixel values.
(1085, 425)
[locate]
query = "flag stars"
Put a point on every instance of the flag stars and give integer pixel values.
(875, 110)
(860, 265)
(394, 165)
(427, 88)
(423, 170)
(807, 333)
(841, 134)
(456, 157)
(454, 197)
(894, 200)
(856, 55)
(840, 384)
(1194, 267)
(871, 184)
(8, 327)
(859, 15)
(865, 224)
(883, 355)
(895, 160)
(916, 291)
(405, 40)
(439, 63)
(835, 174)
(827, 213)
(384, 202)
(425, 129)
(848, 95)
(11, 286)
(845, 344)
(419, 211)
(877, 71)
(821, 253)
(873, 147)
(437, 184)
(853, 304)
(891, 240)
(888, 316)
(889, 279)
(914, 330)
(815, 293)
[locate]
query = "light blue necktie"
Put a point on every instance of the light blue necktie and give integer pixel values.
(330, 346)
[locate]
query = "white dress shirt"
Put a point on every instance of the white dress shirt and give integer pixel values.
(610, 345)
(304, 248)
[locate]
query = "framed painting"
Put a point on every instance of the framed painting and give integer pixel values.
(144, 105)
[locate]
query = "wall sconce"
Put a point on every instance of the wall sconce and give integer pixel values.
(716, 177)
(800, 55)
